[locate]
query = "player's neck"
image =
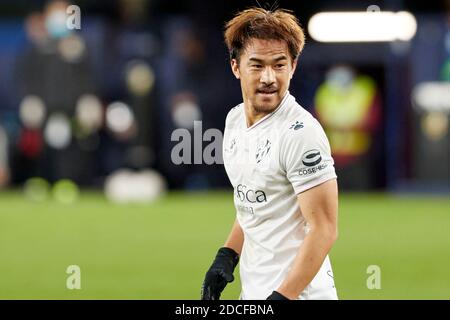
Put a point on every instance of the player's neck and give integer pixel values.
(252, 116)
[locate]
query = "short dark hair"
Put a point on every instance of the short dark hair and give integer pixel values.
(259, 23)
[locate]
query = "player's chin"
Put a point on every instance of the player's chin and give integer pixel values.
(267, 102)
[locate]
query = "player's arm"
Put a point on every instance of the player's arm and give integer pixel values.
(235, 239)
(319, 206)
(221, 271)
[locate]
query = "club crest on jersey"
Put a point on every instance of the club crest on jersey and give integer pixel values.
(297, 125)
(232, 146)
(262, 150)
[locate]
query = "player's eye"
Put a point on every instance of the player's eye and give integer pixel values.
(257, 66)
(279, 65)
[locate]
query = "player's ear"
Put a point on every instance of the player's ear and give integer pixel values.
(294, 66)
(235, 68)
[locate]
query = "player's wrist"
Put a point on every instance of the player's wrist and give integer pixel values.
(229, 253)
(288, 293)
(275, 295)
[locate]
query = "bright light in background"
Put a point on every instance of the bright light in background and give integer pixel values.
(185, 113)
(89, 113)
(58, 132)
(32, 112)
(140, 78)
(432, 96)
(435, 125)
(185, 109)
(432, 101)
(119, 117)
(56, 23)
(72, 48)
(362, 26)
(126, 186)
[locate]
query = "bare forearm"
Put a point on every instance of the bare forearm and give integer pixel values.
(307, 263)
(235, 239)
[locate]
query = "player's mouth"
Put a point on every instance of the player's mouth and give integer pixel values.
(266, 92)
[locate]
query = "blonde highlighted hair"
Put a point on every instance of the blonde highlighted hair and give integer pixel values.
(259, 23)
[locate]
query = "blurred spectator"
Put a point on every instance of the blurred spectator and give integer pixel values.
(196, 85)
(111, 94)
(131, 54)
(52, 74)
(55, 66)
(348, 106)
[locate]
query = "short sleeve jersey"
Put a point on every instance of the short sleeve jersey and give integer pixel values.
(268, 164)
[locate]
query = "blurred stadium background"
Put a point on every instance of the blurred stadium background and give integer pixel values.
(86, 117)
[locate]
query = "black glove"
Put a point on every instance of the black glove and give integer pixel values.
(219, 274)
(276, 296)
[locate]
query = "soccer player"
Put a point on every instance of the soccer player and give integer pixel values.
(278, 160)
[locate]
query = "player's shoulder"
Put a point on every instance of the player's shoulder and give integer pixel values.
(234, 115)
(296, 121)
(302, 132)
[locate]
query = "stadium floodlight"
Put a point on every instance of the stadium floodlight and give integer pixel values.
(362, 26)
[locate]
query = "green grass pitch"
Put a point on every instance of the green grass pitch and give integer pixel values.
(162, 250)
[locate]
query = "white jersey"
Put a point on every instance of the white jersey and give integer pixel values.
(268, 164)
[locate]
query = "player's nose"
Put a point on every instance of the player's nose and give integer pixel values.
(267, 76)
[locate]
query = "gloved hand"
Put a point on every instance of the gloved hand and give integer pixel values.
(276, 296)
(219, 274)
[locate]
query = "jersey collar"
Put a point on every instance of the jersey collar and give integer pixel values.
(267, 116)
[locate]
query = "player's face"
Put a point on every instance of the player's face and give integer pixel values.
(265, 70)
